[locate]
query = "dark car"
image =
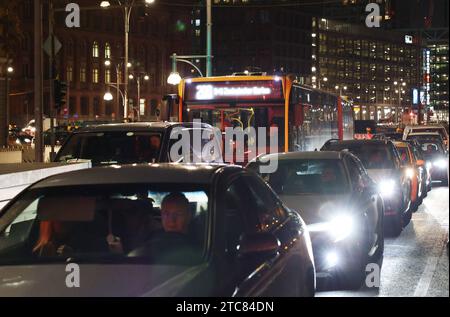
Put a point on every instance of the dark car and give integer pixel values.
(340, 204)
(154, 230)
(130, 143)
(61, 134)
(425, 169)
(437, 159)
(382, 162)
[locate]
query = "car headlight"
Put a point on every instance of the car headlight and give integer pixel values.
(386, 187)
(410, 173)
(339, 228)
(440, 163)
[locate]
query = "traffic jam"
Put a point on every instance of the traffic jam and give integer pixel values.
(224, 149)
(171, 208)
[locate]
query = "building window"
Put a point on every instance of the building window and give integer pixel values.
(97, 106)
(83, 74)
(107, 51)
(107, 76)
(95, 49)
(84, 106)
(69, 74)
(95, 75)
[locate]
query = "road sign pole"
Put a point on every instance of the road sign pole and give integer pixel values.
(51, 80)
(38, 91)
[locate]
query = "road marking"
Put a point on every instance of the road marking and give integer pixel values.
(427, 276)
(430, 268)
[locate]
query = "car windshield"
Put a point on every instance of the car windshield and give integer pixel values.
(162, 224)
(431, 149)
(404, 155)
(373, 156)
(437, 138)
(313, 176)
(118, 147)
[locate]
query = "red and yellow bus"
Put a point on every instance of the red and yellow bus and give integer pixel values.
(306, 118)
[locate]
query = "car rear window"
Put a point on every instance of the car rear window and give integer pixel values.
(373, 156)
(118, 147)
(314, 176)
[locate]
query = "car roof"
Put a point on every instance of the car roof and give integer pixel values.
(424, 133)
(425, 126)
(137, 173)
(357, 142)
(138, 126)
(315, 155)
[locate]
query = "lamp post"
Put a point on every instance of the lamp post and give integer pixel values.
(127, 7)
(9, 71)
(108, 96)
(117, 66)
(139, 77)
(174, 77)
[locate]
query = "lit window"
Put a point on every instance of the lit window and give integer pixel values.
(83, 74)
(95, 75)
(69, 75)
(107, 76)
(95, 49)
(107, 51)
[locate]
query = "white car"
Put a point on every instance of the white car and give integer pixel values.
(427, 129)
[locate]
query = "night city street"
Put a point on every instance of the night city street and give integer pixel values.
(249, 150)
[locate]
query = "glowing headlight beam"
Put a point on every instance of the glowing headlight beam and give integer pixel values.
(386, 187)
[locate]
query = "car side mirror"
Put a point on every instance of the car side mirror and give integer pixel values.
(258, 244)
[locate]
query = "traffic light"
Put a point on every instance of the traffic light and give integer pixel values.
(60, 88)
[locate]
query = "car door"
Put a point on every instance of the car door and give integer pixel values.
(368, 197)
(249, 206)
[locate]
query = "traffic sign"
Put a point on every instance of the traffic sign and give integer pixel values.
(48, 45)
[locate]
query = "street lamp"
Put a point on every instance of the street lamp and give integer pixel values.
(138, 81)
(127, 7)
(108, 96)
(9, 71)
(174, 77)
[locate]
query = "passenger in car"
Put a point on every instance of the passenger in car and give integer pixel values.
(53, 239)
(175, 242)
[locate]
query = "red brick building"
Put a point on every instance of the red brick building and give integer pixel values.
(155, 33)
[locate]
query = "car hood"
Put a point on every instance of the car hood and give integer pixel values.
(315, 208)
(96, 280)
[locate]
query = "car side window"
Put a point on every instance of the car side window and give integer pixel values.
(354, 172)
(238, 218)
(269, 210)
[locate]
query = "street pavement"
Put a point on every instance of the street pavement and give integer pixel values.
(415, 263)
